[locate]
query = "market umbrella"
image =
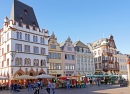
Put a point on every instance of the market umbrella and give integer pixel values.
(24, 77)
(3, 78)
(45, 76)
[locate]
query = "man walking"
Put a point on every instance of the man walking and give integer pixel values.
(53, 87)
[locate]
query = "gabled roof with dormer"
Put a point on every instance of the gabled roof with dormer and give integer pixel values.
(80, 44)
(23, 13)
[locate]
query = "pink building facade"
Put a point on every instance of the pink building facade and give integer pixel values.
(69, 60)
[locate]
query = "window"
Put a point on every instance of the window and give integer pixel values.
(56, 66)
(69, 66)
(19, 35)
(27, 49)
(36, 50)
(42, 40)
(2, 63)
(18, 61)
(27, 62)
(69, 49)
(18, 47)
(7, 62)
(43, 63)
(33, 38)
(54, 55)
(78, 65)
(96, 66)
(26, 38)
(25, 11)
(42, 51)
(69, 57)
(53, 46)
(36, 40)
(7, 48)
(2, 51)
(35, 62)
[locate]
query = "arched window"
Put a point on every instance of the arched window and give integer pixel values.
(44, 63)
(17, 35)
(29, 62)
(25, 62)
(34, 62)
(20, 61)
(37, 62)
(28, 37)
(20, 35)
(17, 61)
(41, 63)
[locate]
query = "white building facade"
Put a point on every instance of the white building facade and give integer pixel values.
(122, 59)
(24, 47)
(84, 59)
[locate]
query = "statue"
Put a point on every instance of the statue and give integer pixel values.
(12, 55)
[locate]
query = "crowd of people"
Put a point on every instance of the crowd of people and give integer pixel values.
(36, 86)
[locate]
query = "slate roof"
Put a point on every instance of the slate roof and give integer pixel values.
(97, 43)
(80, 44)
(18, 11)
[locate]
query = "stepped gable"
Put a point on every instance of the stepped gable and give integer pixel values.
(23, 13)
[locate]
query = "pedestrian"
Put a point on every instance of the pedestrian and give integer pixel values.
(41, 85)
(34, 85)
(12, 87)
(29, 86)
(98, 81)
(68, 84)
(53, 87)
(48, 87)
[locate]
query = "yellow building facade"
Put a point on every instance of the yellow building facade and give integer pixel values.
(55, 57)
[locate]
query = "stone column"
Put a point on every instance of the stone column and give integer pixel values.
(128, 69)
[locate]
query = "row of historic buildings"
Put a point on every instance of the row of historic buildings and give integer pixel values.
(69, 58)
(26, 49)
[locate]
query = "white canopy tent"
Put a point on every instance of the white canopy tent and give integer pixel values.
(24, 77)
(45, 76)
(3, 78)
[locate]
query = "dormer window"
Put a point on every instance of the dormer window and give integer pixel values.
(33, 23)
(21, 19)
(25, 11)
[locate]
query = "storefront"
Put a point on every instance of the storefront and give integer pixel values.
(56, 73)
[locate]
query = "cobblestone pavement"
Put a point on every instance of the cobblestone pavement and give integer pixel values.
(103, 89)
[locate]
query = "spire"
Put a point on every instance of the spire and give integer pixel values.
(6, 19)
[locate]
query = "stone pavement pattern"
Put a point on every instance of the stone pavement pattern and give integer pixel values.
(103, 89)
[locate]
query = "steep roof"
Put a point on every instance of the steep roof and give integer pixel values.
(97, 43)
(22, 11)
(80, 44)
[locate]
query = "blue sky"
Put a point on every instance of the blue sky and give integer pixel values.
(87, 20)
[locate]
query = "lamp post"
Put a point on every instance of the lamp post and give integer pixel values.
(128, 69)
